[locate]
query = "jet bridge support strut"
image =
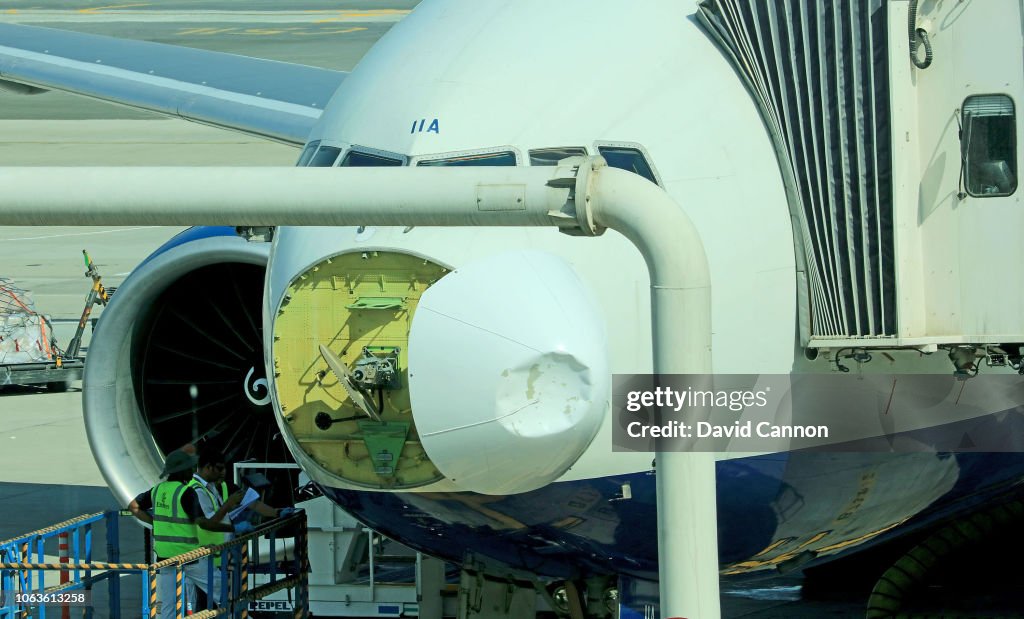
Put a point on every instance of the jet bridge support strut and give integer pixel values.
(582, 196)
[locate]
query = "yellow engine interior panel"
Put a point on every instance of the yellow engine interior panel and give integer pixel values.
(360, 307)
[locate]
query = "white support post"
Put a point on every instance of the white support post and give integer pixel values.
(681, 329)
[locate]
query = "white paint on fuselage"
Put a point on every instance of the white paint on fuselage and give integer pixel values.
(533, 74)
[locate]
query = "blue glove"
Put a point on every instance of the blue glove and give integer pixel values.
(244, 527)
(284, 512)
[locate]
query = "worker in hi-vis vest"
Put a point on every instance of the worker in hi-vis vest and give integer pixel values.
(177, 519)
(217, 498)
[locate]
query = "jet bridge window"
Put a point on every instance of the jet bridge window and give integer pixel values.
(357, 159)
(551, 156)
(504, 158)
(628, 159)
(988, 145)
(324, 157)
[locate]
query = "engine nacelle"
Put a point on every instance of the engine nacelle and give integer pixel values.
(177, 356)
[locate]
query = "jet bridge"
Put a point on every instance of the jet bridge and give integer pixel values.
(895, 130)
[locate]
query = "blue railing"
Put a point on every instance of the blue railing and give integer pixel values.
(23, 561)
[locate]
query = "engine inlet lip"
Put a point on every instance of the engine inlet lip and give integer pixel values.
(119, 437)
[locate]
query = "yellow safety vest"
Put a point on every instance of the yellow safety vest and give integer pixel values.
(173, 532)
(210, 538)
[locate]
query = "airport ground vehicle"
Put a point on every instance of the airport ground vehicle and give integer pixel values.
(29, 351)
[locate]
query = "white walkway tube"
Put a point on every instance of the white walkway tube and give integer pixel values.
(583, 201)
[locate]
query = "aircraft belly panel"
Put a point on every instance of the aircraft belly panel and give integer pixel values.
(775, 512)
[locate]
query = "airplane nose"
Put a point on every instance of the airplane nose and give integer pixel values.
(391, 371)
(508, 372)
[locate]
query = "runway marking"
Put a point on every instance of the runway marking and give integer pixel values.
(351, 15)
(264, 31)
(315, 32)
(292, 30)
(57, 236)
(204, 31)
(97, 9)
(205, 17)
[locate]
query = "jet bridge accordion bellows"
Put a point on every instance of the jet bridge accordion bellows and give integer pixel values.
(818, 71)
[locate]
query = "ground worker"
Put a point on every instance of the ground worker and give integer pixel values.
(217, 498)
(177, 518)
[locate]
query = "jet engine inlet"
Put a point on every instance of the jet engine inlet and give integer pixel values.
(199, 374)
(177, 358)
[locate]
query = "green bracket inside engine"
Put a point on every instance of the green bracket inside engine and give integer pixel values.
(384, 441)
(377, 303)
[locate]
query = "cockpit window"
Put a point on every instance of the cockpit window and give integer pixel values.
(357, 159)
(307, 153)
(629, 159)
(551, 156)
(324, 158)
(505, 158)
(988, 146)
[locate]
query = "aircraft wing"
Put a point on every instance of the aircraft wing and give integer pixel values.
(275, 100)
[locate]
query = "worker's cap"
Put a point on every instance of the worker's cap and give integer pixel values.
(178, 461)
